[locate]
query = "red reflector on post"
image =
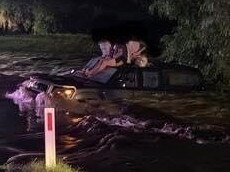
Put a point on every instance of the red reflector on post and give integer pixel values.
(50, 123)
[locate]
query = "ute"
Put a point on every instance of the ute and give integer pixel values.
(74, 91)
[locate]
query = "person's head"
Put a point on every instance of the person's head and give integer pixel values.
(105, 46)
(134, 46)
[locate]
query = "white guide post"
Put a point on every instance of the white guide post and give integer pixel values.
(50, 144)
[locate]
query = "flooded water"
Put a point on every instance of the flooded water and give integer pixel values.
(139, 140)
(25, 64)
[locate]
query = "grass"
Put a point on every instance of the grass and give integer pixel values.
(50, 44)
(39, 166)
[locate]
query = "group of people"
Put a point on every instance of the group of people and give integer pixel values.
(114, 55)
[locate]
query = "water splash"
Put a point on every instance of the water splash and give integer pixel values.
(193, 133)
(29, 101)
(23, 98)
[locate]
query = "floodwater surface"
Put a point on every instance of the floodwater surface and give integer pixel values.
(152, 135)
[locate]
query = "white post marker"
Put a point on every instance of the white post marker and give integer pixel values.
(50, 144)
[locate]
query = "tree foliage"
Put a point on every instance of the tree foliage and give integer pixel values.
(28, 16)
(17, 14)
(45, 21)
(68, 16)
(201, 37)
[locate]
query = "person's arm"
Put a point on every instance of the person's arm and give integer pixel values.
(101, 66)
(120, 63)
(91, 63)
(139, 51)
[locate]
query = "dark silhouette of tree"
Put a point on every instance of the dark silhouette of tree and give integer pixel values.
(201, 36)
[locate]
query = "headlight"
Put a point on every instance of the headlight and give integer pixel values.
(65, 92)
(68, 92)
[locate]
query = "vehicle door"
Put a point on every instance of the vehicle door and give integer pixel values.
(123, 85)
(150, 83)
(181, 80)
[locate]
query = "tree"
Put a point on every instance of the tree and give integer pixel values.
(201, 37)
(18, 15)
(45, 20)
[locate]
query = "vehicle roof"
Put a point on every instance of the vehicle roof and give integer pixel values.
(157, 65)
